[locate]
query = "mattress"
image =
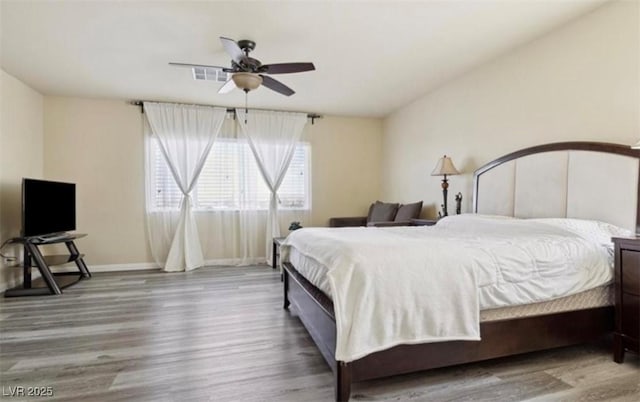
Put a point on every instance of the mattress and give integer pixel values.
(600, 296)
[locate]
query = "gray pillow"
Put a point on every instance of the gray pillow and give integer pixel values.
(409, 211)
(382, 212)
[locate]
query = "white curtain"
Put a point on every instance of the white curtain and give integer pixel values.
(185, 134)
(272, 137)
(229, 236)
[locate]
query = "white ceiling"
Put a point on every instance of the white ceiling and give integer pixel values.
(371, 58)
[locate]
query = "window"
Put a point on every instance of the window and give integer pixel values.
(230, 180)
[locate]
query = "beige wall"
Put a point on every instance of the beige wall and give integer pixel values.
(98, 144)
(345, 161)
(580, 82)
(21, 144)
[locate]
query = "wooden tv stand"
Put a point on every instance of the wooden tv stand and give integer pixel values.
(34, 258)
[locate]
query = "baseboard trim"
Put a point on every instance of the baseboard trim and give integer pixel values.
(142, 266)
(145, 266)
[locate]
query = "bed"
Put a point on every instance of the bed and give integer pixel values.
(560, 180)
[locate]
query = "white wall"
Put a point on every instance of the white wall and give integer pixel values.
(98, 144)
(580, 82)
(21, 150)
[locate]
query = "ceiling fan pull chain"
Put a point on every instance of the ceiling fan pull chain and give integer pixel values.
(246, 106)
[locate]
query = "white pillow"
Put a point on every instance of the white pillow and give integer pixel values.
(594, 231)
(471, 217)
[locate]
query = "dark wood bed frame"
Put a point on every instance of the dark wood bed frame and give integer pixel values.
(499, 338)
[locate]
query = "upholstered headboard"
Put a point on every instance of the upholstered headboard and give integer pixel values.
(586, 180)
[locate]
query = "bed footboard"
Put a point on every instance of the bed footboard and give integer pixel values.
(499, 338)
(315, 310)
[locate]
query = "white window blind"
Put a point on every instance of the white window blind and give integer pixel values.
(230, 180)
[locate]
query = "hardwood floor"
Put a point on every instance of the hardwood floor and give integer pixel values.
(221, 334)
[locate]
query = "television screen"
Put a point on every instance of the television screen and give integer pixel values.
(47, 207)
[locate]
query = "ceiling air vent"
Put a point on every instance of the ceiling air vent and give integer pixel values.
(209, 74)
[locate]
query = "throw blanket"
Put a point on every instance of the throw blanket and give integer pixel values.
(409, 285)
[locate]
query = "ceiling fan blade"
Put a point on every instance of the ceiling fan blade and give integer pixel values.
(233, 49)
(227, 87)
(286, 68)
(197, 65)
(276, 85)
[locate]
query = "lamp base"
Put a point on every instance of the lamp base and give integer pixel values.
(445, 187)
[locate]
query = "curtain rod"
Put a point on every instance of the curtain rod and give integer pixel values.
(312, 116)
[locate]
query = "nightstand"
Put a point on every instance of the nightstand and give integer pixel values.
(276, 251)
(627, 288)
(423, 222)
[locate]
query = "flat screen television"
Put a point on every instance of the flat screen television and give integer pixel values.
(48, 207)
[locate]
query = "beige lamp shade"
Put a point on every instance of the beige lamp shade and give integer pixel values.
(445, 167)
(246, 81)
(636, 146)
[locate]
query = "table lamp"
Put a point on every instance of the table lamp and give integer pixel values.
(445, 168)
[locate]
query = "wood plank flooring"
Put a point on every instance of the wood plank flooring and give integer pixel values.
(220, 334)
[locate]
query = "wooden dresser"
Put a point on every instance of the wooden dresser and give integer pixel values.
(627, 287)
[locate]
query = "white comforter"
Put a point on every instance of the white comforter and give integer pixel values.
(403, 285)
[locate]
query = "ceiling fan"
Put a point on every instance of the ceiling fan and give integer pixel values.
(248, 73)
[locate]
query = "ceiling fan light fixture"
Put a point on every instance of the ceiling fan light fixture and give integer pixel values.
(247, 81)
